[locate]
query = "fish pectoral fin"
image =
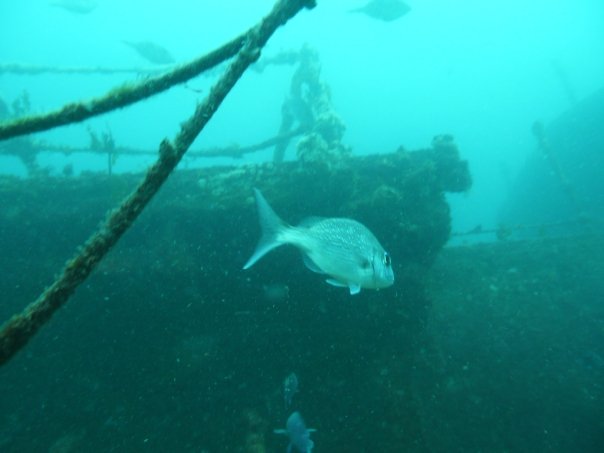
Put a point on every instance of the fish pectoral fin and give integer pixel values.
(354, 288)
(338, 283)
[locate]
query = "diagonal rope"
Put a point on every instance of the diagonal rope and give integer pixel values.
(18, 330)
(124, 95)
(121, 96)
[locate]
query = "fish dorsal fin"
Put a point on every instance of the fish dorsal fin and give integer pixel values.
(310, 264)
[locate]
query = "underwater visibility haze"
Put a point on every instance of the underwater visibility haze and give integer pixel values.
(450, 156)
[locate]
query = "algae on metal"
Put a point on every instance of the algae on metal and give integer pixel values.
(190, 337)
(308, 106)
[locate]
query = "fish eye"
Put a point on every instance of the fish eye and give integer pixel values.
(386, 259)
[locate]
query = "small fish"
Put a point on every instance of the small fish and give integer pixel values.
(343, 249)
(75, 6)
(290, 388)
(385, 10)
(153, 53)
(299, 435)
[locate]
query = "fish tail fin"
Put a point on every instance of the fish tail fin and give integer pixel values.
(272, 227)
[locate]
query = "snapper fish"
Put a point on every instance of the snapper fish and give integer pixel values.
(299, 434)
(343, 249)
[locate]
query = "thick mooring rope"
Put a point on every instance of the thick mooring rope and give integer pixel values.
(121, 96)
(233, 151)
(124, 95)
(18, 330)
(24, 69)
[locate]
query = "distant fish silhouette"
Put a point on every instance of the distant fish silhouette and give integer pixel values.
(75, 6)
(385, 10)
(290, 388)
(153, 53)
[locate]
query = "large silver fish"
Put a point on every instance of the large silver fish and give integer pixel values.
(290, 388)
(343, 249)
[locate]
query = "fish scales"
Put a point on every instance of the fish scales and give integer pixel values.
(344, 249)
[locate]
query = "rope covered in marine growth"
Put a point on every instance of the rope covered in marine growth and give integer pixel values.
(18, 330)
(121, 96)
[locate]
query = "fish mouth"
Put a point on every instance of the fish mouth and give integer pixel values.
(388, 280)
(383, 282)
